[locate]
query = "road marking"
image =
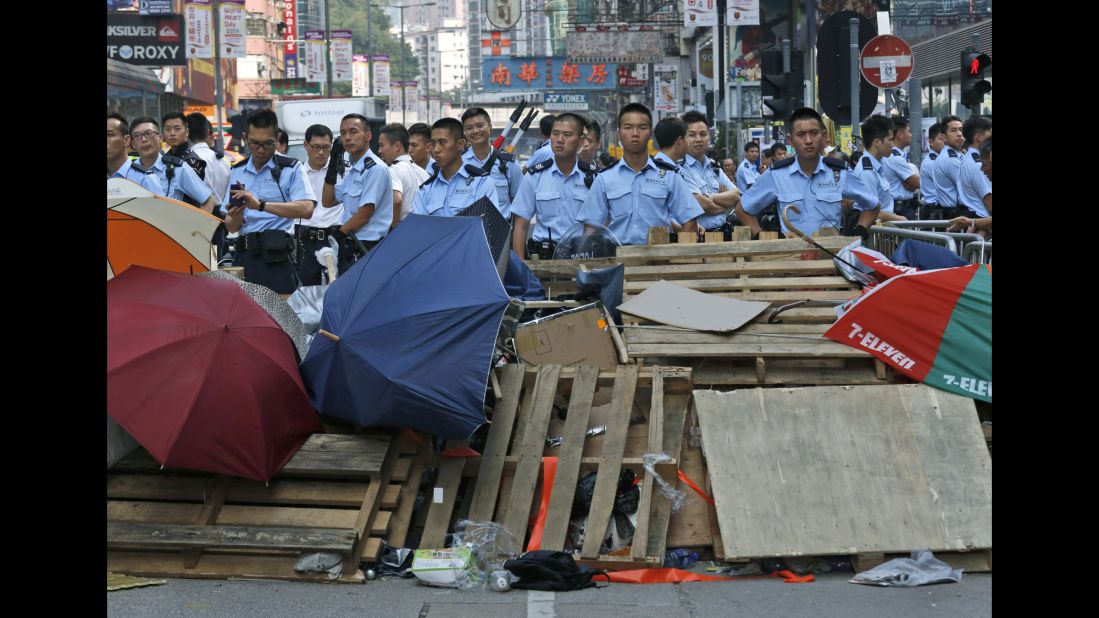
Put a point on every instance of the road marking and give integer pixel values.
(540, 604)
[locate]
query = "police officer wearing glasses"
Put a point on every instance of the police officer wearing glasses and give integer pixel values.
(267, 191)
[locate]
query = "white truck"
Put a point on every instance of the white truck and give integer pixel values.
(297, 115)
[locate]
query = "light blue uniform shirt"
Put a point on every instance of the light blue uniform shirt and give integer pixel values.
(506, 186)
(746, 175)
(947, 167)
(291, 187)
(545, 151)
(629, 202)
(446, 198)
(711, 181)
(870, 171)
(817, 197)
(184, 182)
(973, 185)
(927, 178)
(361, 186)
(149, 181)
(554, 197)
(895, 170)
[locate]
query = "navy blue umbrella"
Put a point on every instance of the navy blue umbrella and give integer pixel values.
(407, 333)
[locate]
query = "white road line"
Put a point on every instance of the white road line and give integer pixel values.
(540, 604)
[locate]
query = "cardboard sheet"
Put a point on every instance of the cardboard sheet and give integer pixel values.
(569, 338)
(676, 305)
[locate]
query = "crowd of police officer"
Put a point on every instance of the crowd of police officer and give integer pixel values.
(279, 211)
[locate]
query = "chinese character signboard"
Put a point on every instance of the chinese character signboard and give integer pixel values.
(606, 44)
(315, 68)
(633, 76)
(504, 74)
(232, 34)
(146, 40)
(360, 81)
(200, 29)
(381, 75)
(341, 55)
(290, 48)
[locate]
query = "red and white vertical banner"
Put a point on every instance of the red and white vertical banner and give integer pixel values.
(290, 48)
(412, 95)
(232, 35)
(200, 28)
(381, 76)
(341, 55)
(315, 68)
(360, 78)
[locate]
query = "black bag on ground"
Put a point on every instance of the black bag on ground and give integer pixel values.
(551, 570)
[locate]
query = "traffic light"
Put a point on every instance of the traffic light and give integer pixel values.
(785, 90)
(974, 84)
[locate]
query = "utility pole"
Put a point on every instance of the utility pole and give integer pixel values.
(219, 88)
(855, 77)
(719, 70)
(328, 48)
(404, 77)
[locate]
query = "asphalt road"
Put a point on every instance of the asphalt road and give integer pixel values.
(830, 595)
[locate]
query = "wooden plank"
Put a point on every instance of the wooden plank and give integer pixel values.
(286, 517)
(675, 414)
(690, 525)
(215, 566)
(803, 315)
(372, 548)
(721, 373)
(768, 235)
(530, 452)
(400, 471)
(823, 349)
(712, 237)
(402, 517)
(855, 479)
(741, 233)
(303, 493)
(165, 536)
(215, 499)
(371, 504)
(381, 523)
(155, 487)
(634, 254)
(686, 238)
(614, 444)
(658, 236)
(438, 515)
(152, 512)
(568, 458)
(799, 268)
(806, 333)
(756, 283)
(391, 496)
(499, 437)
(783, 297)
(656, 445)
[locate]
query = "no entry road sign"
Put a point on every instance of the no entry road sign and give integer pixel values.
(886, 61)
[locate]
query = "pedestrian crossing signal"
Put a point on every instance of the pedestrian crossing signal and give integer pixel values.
(974, 84)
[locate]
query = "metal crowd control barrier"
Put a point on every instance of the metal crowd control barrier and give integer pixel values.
(887, 239)
(961, 239)
(979, 252)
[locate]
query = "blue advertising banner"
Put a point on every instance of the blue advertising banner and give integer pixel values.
(507, 74)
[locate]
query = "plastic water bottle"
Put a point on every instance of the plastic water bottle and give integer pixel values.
(680, 559)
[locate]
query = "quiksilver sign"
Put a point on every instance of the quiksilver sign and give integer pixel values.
(148, 40)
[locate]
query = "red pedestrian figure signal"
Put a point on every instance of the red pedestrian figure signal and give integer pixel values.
(975, 67)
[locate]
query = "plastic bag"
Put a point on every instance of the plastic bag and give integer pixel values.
(320, 562)
(395, 561)
(676, 496)
(921, 569)
(327, 258)
(490, 544)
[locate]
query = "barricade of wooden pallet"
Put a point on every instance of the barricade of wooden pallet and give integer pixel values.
(341, 493)
(504, 482)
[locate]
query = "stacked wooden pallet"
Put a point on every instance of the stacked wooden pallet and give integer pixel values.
(340, 493)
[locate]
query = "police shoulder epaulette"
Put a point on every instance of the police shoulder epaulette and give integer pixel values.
(781, 163)
(951, 153)
(368, 162)
(285, 161)
(976, 156)
(897, 152)
(474, 170)
(141, 168)
(504, 155)
(867, 164)
(934, 155)
(431, 178)
(588, 167)
(242, 162)
(714, 164)
(835, 164)
(540, 167)
(671, 167)
(171, 160)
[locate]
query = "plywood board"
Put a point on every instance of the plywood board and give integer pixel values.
(846, 469)
(669, 303)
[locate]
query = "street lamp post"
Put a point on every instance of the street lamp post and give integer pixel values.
(401, 8)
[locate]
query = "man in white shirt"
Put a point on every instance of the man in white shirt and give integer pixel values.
(403, 171)
(217, 174)
(312, 234)
(419, 147)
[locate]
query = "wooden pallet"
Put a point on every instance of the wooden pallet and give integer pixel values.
(506, 478)
(340, 493)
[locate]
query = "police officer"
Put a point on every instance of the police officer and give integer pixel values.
(901, 175)
(419, 145)
(877, 135)
(275, 193)
(748, 171)
(454, 185)
(505, 173)
(312, 234)
(366, 191)
(216, 174)
(119, 164)
(589, 150)
(948, 166)
(405, 175)
(177, 135)
(545, 151)
(553, 191)
(717, 189)
(635, 195)
(814, 183)
(177, 179)
(936, 139)
(974, 188)
(670, 135)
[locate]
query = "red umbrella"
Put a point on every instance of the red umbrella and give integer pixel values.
(202, 376)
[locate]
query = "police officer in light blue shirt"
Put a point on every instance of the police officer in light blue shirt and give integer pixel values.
(810, 181)
(748, 171)
(275, 192)
(877, 135)
(177, 180)
(974, 189)
(948, 166)
(453, 187)
(545, 151)
(635, 195)
(552, 192)
(506, 173)
(899, 173)
(718, 194)
(118, 163)
(366, 191)
(936, 139)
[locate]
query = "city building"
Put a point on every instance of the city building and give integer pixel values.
(264, 61)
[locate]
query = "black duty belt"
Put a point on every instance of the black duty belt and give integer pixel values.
(305, 232)
(254, 241)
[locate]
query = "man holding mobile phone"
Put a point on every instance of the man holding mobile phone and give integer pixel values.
(274, 193)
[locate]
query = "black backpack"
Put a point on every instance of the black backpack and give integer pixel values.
(546, 569)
